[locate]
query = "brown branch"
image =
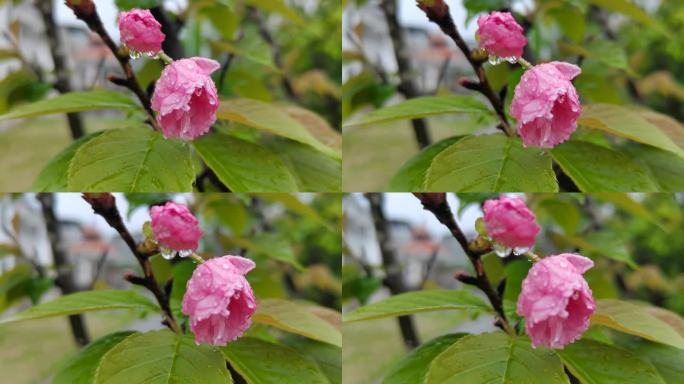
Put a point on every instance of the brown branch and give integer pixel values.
(406, 86)
(104, 204)
(446, 24)
(65, 279)
(393, 278)
(438, 205)
(62, 84)
(86, 11)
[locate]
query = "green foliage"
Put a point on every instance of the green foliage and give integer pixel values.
(298, 319)
(411, 175)
(418, 301)
(51, 178)
(86, 301)
(414, 367)
(73, 102)
(162, 357)
(81, 368)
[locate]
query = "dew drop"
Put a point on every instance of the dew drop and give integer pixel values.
(185, 253)
(520, 250)
(134, 55)
(501, 250)
(167, 253)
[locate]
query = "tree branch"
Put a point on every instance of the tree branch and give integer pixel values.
(438, 205)
(447, 25)
(406, 86)
(62, 83)
(86, 11)
(104, 204)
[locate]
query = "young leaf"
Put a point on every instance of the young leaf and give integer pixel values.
(423, 107)
(296, 318)
(490, 163)
(634, 319)
(85, 302)
(162, 357)
(625, 122)
(669, 361)
(665, 168)
(313, 170)
(264, 116)
(81, 368)
(262, 362)
(328, 357)
(418, 301)
(593, 362)
(131, 160)
(52, 177)
(413, 368)
(496, 358)
(597, 169)
(74, 102)
(411, 175)
(243, 166)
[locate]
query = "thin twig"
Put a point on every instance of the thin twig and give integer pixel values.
(447, 25)
(89, 15)
(104, 204)
(438, 205)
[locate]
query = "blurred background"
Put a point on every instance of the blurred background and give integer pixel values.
(627, 51)
(45, 50)
(53, 244)
(635, 240)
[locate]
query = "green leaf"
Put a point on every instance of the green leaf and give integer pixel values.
(597, 363)
(564, 213)
(266, 117)
(490, 163)
(411, 175)
(327, 357)
(14, 285)
(53, 177)
(134, 159)
(313, 170)
(296, 318)
(162, 357)
(634, 319)
(665, 168)
(243, 166)
(627, 8)
(597, 169)
(496, 358)
(278, 6)
(81, 368)
(627, 123)
(125, 5)
(182, 272)
(261, 362)
(418, 301)
(473, 7)
(86, 301)
(423, 107)
(669, 361)
(413, 368)
(73, 102)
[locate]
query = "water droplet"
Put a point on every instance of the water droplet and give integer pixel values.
(511, 59)
(494, 60)
(501, 250)
(520, 250)
(167, 253)
(134, 55)
(185, 253)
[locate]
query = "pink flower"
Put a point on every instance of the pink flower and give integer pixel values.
(175, 227)
(219, 300)
(185, 98)
(140, 31)
(556, 301)
(510, 223)
(501, 35)
(546, 104)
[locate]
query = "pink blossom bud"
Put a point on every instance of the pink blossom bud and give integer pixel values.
(556, 301)
(140, 31)
(501, 35)
(546, 104)
(510, 223)
(175, 227)
(219, 300)
(185, 98)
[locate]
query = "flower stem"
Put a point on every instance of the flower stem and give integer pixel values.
(526, 64)
(197, 258)
(164, 57)
(533, 256)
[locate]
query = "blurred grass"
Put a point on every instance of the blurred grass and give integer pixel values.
(33, 350)
(371, 347)
(373, 154)
(28, 145)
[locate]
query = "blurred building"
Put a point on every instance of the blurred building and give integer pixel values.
(434, 58)
(421, 256)
(88, 59)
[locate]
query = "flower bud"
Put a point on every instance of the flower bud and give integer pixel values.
(175, 228)
(141, 32)
(510, 223)
(501, 35)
